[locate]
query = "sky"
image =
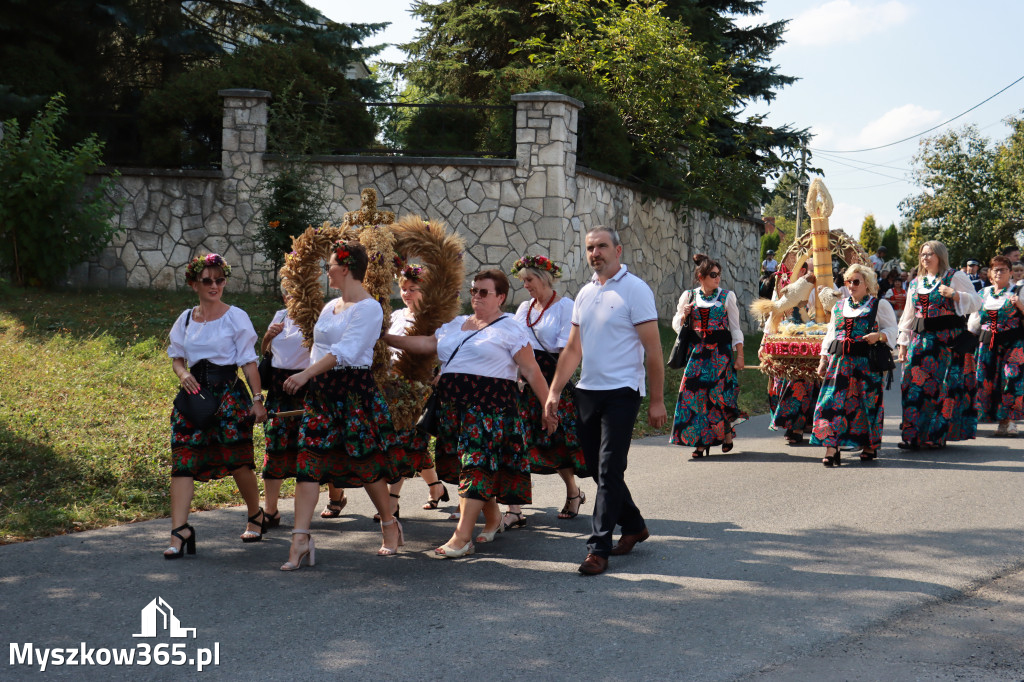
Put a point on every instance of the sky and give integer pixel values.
(871, 72)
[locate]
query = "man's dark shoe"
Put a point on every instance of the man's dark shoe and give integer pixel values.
(593, 565)
(628, 541)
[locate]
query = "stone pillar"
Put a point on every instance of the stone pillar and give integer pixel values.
(546, 138)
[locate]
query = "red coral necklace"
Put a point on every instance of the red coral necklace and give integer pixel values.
(542, 311)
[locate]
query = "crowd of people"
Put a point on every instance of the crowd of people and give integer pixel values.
(507, 408)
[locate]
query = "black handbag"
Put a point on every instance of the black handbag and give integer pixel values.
(265, 369)
(681, 348)
(198, 408)
(880, 357)
(427, 423)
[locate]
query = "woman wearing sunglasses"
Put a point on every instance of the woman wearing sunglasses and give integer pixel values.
(480, 441)
(346, 436)
(849, 412)
(208, 344)
(706, 409)
(1001, 352)
(939, 383)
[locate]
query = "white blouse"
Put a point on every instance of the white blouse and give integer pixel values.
(487, 354)
(969, 302)
(732, 312)
(228, 340)
(287, 348)
(885, 319)
(349, 335)
(400, 325)
(988, 302)
(552, 329)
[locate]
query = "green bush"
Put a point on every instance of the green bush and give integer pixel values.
(769, 241)
(52, 213)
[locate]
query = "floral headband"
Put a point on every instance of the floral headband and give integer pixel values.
(342, 254)
(537, 263)
(199, 263)
(413, 272)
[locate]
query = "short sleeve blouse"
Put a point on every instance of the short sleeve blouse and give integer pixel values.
(348, 335)
(489, 353)
(552, 329)
(287, 348)
(228, 340)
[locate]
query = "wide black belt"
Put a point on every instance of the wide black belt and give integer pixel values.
(209, 374)
(719, 337)
(860, 349)
(1002, 338)
(939, 323)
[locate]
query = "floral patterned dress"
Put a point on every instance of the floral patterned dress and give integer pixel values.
(282, 433)
(706, 408)
(1000, 358)
(415, 451)
(849, 412)
(939, 380)
(792, 404)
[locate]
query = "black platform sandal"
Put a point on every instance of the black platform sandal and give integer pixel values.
(251, 535)
(188, 545)
(398, 509)
(868, 455)
(832, 461)
(431, 502)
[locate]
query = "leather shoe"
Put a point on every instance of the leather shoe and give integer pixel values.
(628, 541)
(594, 565)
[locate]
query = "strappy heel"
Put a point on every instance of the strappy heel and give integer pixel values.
(518, 523)
(700, 452)
(566, 512)
(431, 502)
(398, 509)
(868, 455)
(384, 549)
(188, 544)
(273, 520)
(310, 552)
(333, 508)
(831, 461)
(251, 535)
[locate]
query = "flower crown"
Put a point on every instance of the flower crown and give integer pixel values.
(413, 272)
(537, 263)
(342, 254)
(199, 263)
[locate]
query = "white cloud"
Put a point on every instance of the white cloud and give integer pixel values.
(897, 124)
(847, 217)
(843, 21)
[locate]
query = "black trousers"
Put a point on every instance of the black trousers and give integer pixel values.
(605, 428)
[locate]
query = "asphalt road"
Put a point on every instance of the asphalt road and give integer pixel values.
(763, 565)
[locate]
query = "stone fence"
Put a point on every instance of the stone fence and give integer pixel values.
(538, 203)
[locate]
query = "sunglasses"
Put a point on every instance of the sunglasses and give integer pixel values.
(328, 266)
(855, 282)
(219, 281)
(716, 275)
(482, 293)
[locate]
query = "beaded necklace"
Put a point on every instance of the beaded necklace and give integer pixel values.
(855, 304)
(707, 297)
(542, 310)
(929, 281)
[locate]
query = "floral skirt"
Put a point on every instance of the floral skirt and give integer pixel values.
(849, 412)
(707, 401)
(346, 437)
(480, 442)
(939, 387)
(413, 454)
(282, 433)
(1000, 382)
(792, 404)
(561, 449)
(221, 448)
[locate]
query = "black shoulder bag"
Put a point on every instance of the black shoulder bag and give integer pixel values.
(427, 423)
(198, 408)
(681, 348)
(266, 367)
(880, 355)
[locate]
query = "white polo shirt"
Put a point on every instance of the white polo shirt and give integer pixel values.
(607, 316)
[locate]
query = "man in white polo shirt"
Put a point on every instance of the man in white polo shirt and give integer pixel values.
(614, 326)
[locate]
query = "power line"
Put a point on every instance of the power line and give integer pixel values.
(884, 184)
(924, 132)
(866, 164)
(865, 170)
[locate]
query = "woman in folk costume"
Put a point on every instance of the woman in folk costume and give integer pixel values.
(547, 317)
(849, 411)
(939, 381)
(208, 344)
(1001, 352)
(706, 408)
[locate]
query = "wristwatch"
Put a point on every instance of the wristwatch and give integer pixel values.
(258, 397)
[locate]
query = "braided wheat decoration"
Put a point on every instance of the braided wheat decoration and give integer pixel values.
(405, 384)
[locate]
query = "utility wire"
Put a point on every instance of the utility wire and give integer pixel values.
(924, 132)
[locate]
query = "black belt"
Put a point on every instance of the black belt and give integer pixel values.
(939, 323)
(860, 349)
(719, 337)
(207, 373)
(1003, 338)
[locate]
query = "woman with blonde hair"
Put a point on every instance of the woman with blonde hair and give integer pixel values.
(939, 383)
(849, 412)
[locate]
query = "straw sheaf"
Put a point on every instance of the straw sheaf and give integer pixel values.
(301, 274)
(378, 282)
(441, 251)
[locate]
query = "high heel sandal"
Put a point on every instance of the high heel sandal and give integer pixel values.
(333, 508)
(446, 551)
(831, 461)
(431, 502)
(868, 455)
(700, 452)
(396, 513)
(384, 549)
(794, 438)
(273, 520)
(251, 535)
(310, 552)
(727, 447)
(486, 536)
(518, 523)
(567, 513)
(188, 544)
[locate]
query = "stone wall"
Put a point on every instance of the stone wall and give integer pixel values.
(538, 203)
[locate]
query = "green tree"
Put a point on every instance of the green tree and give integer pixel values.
(52, 214)
(869, 237)
(1009, 179)
(891, 242)
(769, 242)
(958, 203)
